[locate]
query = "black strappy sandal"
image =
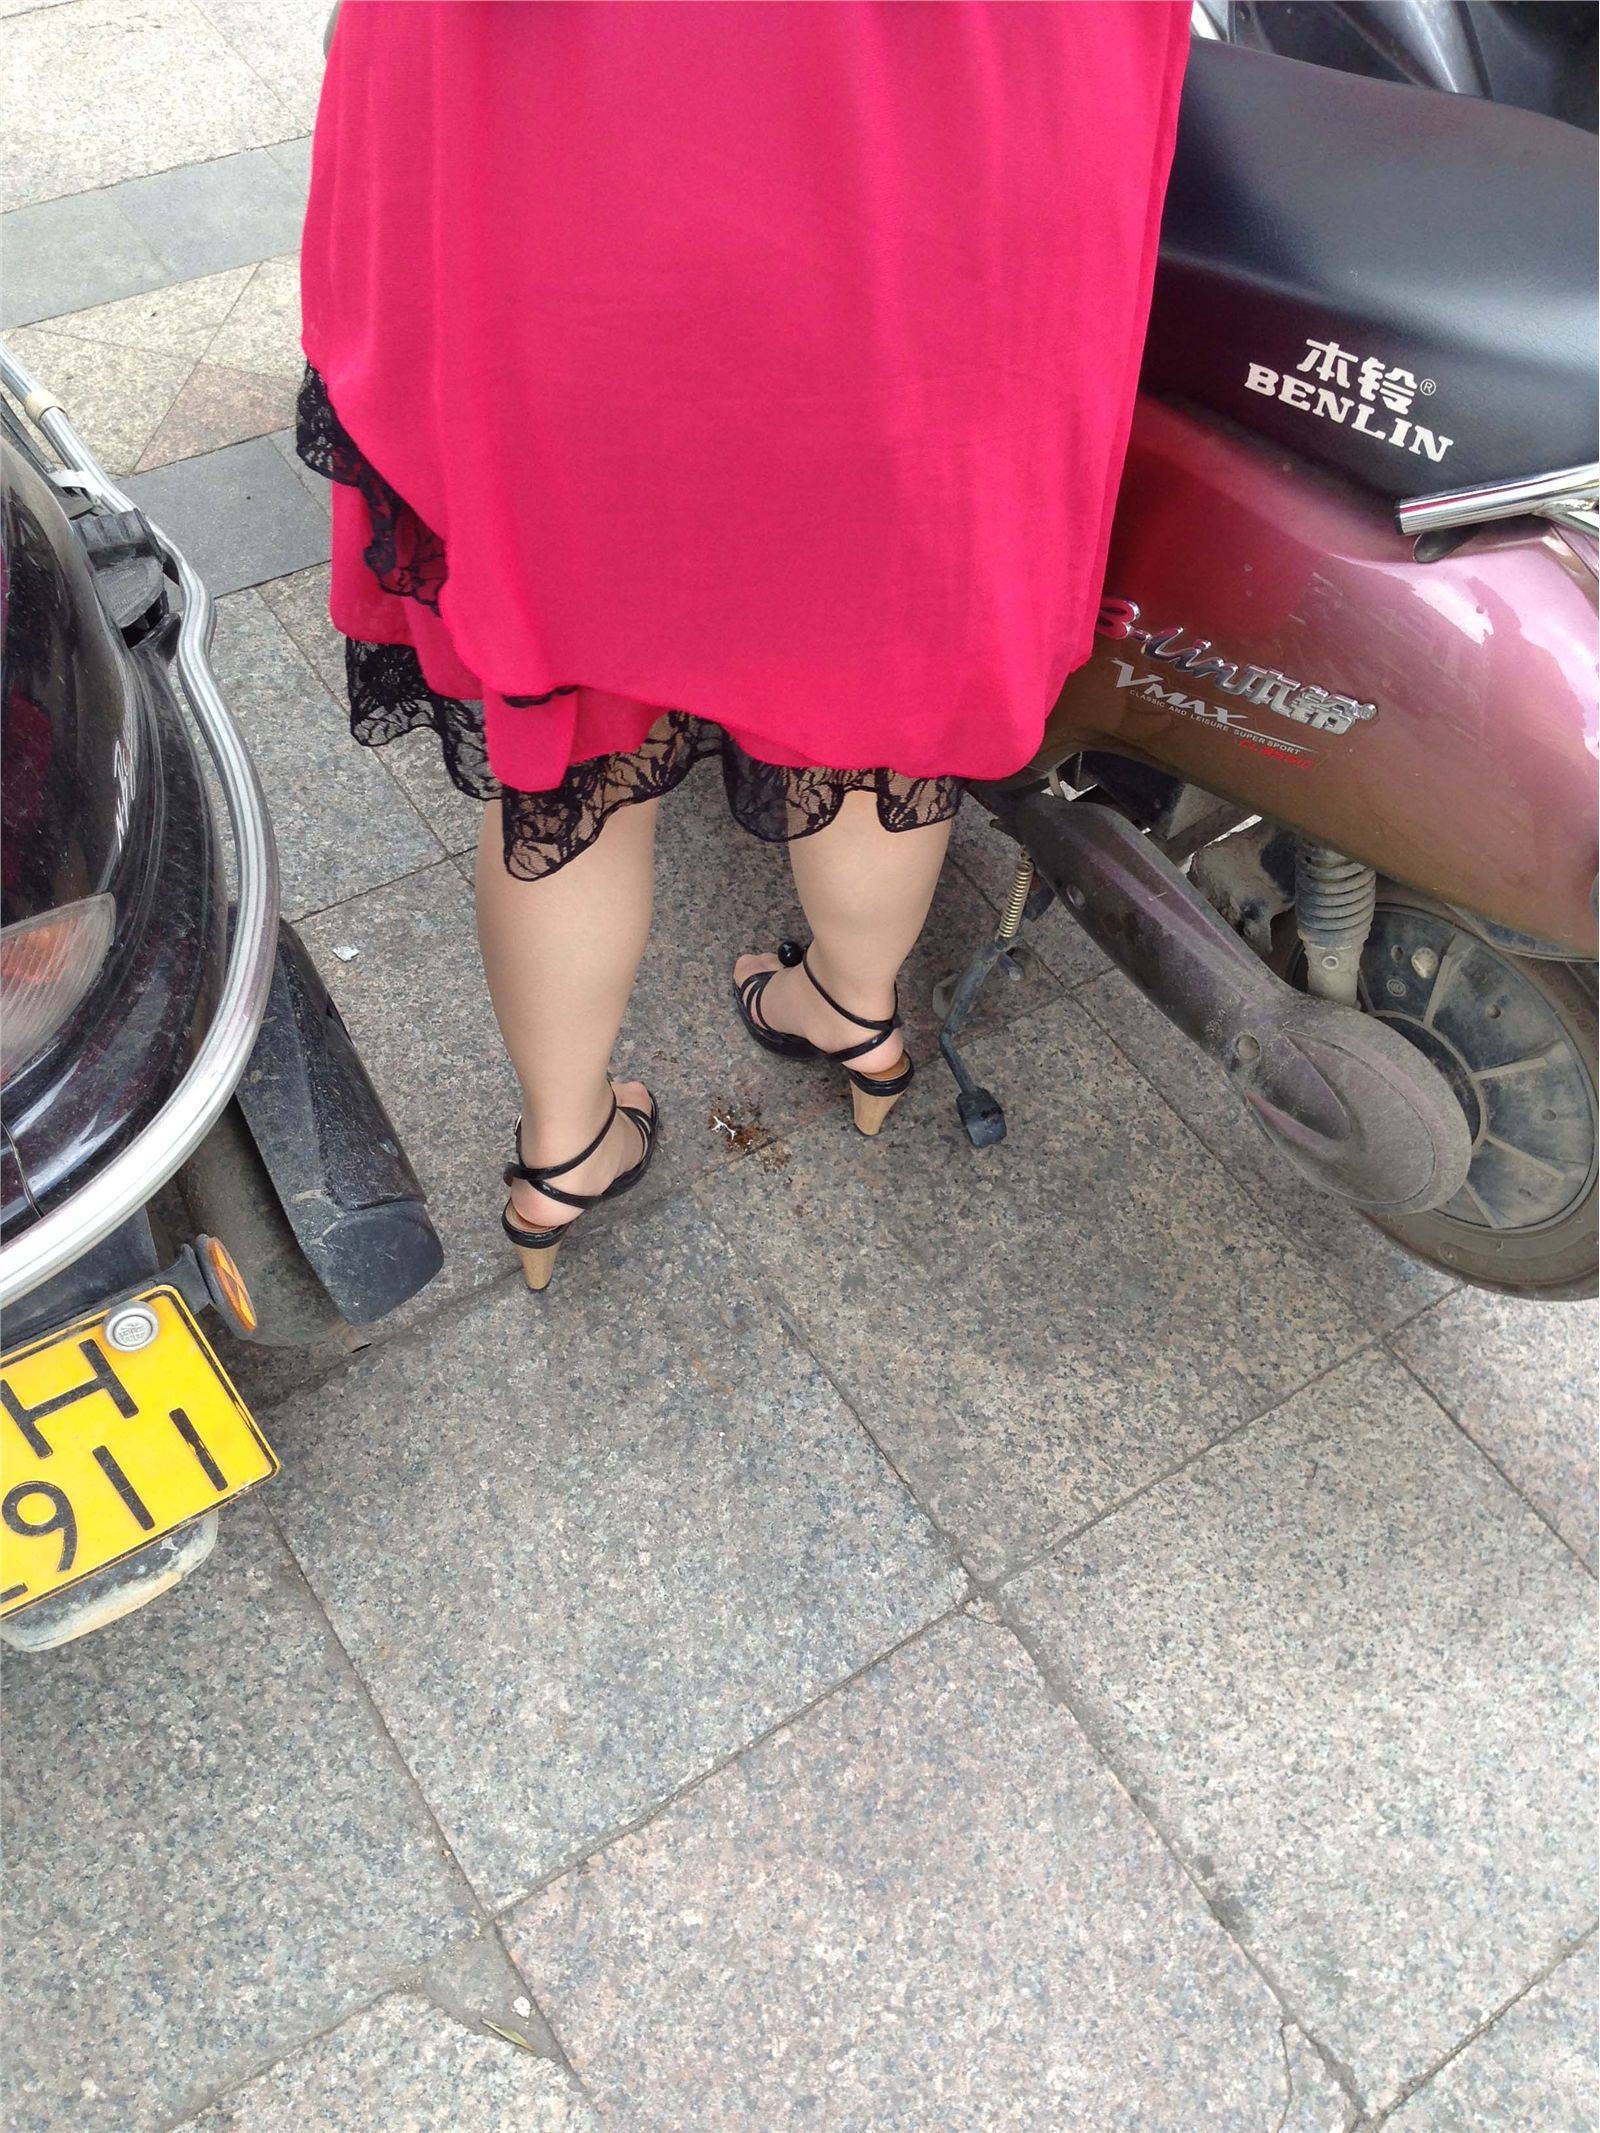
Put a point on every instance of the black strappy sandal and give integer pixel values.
(537, 1248)
(872, 1096)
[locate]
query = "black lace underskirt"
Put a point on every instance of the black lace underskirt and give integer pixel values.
(390, 696)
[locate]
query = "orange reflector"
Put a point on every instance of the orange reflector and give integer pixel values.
(229, 1280)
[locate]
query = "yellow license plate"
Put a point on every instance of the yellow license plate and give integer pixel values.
(102, 1450)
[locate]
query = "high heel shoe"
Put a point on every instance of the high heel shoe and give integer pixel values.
(872, 1096)
(537, 1248)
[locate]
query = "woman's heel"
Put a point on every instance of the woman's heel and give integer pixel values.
(539, 1262)
(871, 1112)
(537, 1248)
(872, 1098)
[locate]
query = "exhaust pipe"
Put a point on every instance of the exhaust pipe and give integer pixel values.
(1352, 1105)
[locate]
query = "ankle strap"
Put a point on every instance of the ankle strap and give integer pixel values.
(538, 1175)
(879, 1029)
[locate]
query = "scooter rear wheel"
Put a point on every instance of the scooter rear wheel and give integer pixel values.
(1515, 1037)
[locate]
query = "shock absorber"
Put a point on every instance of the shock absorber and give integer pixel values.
(1017, 899)
(1334, 899)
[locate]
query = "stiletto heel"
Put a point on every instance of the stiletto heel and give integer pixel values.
(537, 1248)
(872, 1096)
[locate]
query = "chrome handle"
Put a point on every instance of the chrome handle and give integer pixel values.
(1570, 492)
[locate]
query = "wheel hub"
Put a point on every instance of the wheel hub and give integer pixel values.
(1507, 1056)
(1456, 1071)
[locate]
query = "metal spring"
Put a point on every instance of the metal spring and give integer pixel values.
(1334, 896)
(1016, 901)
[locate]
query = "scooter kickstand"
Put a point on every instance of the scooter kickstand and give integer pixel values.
(978, 1108)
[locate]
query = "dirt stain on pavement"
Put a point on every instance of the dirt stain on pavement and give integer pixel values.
(740, 1125)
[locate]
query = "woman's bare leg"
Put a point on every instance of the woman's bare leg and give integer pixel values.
(865, 891)
(561, 955)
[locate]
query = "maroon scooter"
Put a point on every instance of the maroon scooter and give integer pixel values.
(1326, 790)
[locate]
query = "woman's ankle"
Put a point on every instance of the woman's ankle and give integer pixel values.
(553, 1134)
(618, 1143)
(872, 1002)
(802, 1008)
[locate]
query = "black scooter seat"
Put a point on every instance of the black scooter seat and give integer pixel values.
(1396, 282)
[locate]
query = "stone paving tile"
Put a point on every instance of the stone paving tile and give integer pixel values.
(64, 254)
(116, 397)
(341, 825)
(583, 1546)
(1520, 1379)
(1350, 1675)
(143, 345)
(301, 604)
(314, 484)
(262, 330)
(719, 892)
(414, 762)
(239, 514)
(265, 1375)
(229, 212)
(1035, 1331)
(1384, 1284)
(989, 857)
(162, 87)
(211, 1849)
(1317, 2103)
(923, 1905)
(281, 40)
(476, 1982)
(293, 158)
(1532, 2071)
(218, 406)
(404, 2067)
(402, 964)
(180, 320)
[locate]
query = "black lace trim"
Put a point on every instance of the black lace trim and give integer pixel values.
(544, 829)
(405, 555)
(390, 696)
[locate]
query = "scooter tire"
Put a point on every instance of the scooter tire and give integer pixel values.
(1552, 1261)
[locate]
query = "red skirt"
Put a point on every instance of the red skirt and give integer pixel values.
(763, 368)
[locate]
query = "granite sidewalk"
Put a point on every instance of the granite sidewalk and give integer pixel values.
(1080, 1637)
